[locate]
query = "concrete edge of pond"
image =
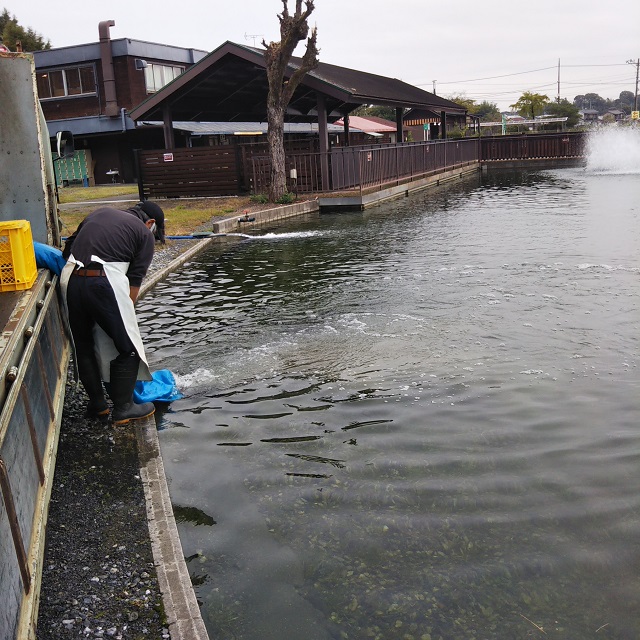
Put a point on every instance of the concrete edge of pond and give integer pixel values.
(256, 218)
(367, 200)
(181, 607)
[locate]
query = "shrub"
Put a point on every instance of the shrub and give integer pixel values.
(456, 133)
(286, 198)
(259, 198)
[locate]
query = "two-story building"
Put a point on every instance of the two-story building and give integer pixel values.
(88, 89)
(589, 115)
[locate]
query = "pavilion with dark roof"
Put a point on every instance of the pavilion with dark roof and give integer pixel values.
(230, 85)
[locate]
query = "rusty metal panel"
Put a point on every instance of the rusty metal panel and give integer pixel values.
(10, 581)
(34, 384)
(16, 451)
(19, 491)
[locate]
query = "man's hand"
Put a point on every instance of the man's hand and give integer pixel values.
(133, 293)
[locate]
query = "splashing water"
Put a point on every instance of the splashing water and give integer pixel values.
(614, 150)
(289, 235)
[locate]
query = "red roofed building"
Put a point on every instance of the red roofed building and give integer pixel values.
(372, 130)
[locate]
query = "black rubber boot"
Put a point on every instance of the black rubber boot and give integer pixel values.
(92, 383)
(124, 374)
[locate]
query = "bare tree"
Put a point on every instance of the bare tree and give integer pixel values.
(293, 29)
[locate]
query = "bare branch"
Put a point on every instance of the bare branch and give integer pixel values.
(309, 62)
(309, 10)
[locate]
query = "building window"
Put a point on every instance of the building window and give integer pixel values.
(157, 75)
(73, 81)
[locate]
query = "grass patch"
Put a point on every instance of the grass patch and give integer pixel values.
(182, 217)
(83, 194)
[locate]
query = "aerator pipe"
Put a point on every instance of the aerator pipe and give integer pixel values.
(198, 237)
(206, 237)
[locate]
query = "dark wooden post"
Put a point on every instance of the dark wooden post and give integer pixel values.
(324, 142)
(443, 125)
(167, 127)
(136, 155)
(399, 131)
(347, 141)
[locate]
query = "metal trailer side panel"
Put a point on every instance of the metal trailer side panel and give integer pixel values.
(24, 150)
(29, 430)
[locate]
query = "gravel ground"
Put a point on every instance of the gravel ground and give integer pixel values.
(99, 578)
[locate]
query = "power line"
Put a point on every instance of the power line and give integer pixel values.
(617, 64)
(481, 90)
(519, 73)
(506, 75)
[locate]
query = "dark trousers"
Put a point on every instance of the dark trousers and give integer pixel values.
(91, 301)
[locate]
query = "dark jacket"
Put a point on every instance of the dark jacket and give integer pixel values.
(113, 236)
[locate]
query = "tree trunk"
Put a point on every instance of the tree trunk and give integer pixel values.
(293, 29)
(275, 136)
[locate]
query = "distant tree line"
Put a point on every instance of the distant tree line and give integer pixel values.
(593, 101)
(12, 33)
(530, 105)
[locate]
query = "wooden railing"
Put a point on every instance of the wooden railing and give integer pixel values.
(388, 166)
(532, 147)
(367, 168)
(228, 169)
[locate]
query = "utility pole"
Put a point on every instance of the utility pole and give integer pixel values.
(558, 81)
(635, 99)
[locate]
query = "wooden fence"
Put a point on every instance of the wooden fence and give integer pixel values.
(174, 173)
(204, 171)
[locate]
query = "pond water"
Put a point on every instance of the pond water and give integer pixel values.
(414, 422)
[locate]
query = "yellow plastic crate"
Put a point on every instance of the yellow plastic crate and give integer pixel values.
(18, 268)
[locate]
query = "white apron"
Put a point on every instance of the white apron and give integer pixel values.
(106, 351)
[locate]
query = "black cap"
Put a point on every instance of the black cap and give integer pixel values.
(155, 212)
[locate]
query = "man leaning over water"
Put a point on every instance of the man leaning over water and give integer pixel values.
(107, 257)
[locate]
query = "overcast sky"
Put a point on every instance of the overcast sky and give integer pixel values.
(490, 50)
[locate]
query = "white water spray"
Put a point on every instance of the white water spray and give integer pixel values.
(289, 235)
(614, 150)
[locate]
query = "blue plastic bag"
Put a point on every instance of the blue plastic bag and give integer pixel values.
(161, 389)
(48, 257)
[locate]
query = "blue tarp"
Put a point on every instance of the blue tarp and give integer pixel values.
(161, 389)
(48, 257)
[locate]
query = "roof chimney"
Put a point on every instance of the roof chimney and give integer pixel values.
(108, 75)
